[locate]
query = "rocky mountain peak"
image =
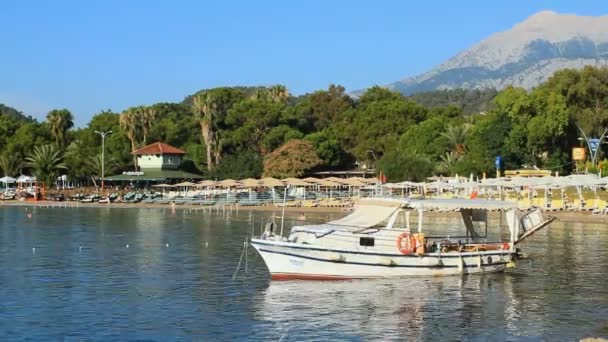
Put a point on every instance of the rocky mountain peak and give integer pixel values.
(524, 55)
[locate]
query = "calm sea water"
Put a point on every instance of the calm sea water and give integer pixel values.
(157, 274)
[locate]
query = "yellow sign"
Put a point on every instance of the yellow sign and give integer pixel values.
(527, 173)
(578, 153)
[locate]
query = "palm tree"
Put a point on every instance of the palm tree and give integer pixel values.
(147, 115)
(59, 122)
(447, 163)
(46, 161)
(129, 122)
(205, 109)
(10, 165)
(456, 136)
(278, 93)
(93, 164)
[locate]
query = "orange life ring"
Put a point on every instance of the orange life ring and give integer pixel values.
(406, 243)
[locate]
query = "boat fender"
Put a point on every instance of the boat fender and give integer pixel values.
(479, 261)
(461, 265)
(406, 243)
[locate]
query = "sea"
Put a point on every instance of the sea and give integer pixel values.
(137, 274)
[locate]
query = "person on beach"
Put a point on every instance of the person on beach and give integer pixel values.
(302, 217)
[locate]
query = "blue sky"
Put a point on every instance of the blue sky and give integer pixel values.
(88, 56)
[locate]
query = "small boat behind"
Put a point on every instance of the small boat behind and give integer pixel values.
(399, 238)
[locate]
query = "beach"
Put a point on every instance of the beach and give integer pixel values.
(564, 216)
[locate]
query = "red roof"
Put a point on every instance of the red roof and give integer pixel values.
(158, 148)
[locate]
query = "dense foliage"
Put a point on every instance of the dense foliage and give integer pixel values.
(238, 132)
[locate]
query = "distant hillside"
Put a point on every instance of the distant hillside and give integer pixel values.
(469, 100)
(524, 56)
(13, 113)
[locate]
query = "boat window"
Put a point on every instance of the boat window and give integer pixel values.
(366, 241)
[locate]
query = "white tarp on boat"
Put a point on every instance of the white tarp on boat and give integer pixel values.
(457, 204)
(369, 213)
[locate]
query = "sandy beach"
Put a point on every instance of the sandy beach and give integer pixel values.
(564, 216)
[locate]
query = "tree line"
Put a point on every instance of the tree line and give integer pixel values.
(239, 132)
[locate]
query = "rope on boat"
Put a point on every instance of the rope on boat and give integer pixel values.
(243, 253)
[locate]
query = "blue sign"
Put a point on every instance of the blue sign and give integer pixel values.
(498, 162)
(594, 143)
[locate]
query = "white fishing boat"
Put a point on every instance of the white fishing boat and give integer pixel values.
(402, 238)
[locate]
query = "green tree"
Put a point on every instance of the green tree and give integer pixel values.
(59, 122)
(251, 121)
(210, 109)
(46, 161)
(426, 138)
(10, 165)
(129, 122)
(448, 163)
(291, 160)
(245, 164)
(456, 136)
(399, 166)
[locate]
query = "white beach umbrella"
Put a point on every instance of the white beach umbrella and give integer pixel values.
(7, 180)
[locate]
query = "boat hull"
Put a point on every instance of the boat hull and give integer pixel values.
(287, 261)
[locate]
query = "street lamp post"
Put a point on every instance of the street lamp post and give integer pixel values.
(103, 152)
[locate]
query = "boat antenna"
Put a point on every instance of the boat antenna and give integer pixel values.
(283, 211)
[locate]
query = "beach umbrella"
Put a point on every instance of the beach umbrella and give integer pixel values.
(185, 184)
(271, 182)
(354, 182)
(250, 183)
(26, 179)
(295, 182)
(228, 183)
(7, 179)
(205, 183)
(162, 186)
(311, 180)
(341, 181)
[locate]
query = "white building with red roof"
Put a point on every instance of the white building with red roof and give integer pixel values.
(159, 156)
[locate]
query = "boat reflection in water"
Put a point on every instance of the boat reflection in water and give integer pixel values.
(383, 309)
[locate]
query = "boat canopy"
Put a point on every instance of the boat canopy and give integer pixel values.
(456, 204)
(369, 213)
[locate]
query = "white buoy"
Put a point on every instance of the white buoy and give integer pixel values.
(80, 249)
(127, 246)
(206, 244)
(166, 245)
(33, 250)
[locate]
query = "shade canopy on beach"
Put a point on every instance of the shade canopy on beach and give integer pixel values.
(184, 184)
(227, 183)
(250, 183)
(328, 183)
(271, 182)
(26, 179)
(153, 175)
(7, 180)
(295, 182)
(205, 183)
(162, 185)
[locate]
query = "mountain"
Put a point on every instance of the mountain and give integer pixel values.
(524, 56)
(13, 113)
